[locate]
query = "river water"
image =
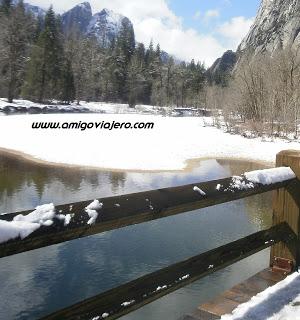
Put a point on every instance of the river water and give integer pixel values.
(37, 283)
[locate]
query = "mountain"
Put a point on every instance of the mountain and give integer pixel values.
(106, 25)
(77, 18)
(277, 25)
(35, 10)
(222, 67)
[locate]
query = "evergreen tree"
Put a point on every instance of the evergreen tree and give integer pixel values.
(45, 78)
(5, 7)
(123, 52)
(140, 53)
(16, 33)
(75, 47)
(149, 72)
(76, 66)
(136, 80)
(170, 85)
(68, 94)
(39, 26)
(126, 40)
(157, 78)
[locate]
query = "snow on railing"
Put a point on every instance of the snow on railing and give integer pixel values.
(22, 225)
(19, 233)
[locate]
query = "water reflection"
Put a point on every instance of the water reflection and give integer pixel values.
(36, 283)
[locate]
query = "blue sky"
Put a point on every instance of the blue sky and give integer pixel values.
(194, 29)
(227, 8)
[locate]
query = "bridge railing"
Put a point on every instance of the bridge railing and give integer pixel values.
(125, 210)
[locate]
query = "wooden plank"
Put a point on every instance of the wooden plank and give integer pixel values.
(237, 295)
(220, 305)
(273, 276)
(121, 211)
(257, 284)
(145, 289)
(241, 293)
(286, 207)
(199, 315)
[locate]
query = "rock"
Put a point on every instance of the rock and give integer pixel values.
(106, 26)
(78, 18)
(277, 26)
(221, 69)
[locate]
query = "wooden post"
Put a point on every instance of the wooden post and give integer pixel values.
(286, 207)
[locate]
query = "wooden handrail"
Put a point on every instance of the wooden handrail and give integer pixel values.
(151, 287)
(125, 210)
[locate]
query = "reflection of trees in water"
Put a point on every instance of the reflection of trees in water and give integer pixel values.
(237, 167)
(259, 207)
(116, 257)
(19, 175)
(117, 181)
(64, 184)
(16, 174)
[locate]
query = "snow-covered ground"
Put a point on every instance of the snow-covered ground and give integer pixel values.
(279, 302)
(166, 147)
(97, 107)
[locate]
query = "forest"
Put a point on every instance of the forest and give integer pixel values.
(41, 62)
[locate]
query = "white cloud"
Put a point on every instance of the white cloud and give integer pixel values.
(207, 15)
(157, 21)
(184, 44)
(235, 30)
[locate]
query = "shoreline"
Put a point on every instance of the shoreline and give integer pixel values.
(190, 164)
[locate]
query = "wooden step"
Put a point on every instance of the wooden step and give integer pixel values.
(231, 299)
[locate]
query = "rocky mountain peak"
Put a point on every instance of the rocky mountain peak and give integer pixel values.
(85, 6)
(106, 25)
(276, 26)
(221, 69)
(78, 17)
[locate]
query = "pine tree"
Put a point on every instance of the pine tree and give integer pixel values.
(45, 74)
(5, 7)
(126, 40)
(136, 80)
(149, 72)
(39, 26)
(16, 33)
(68, 93)
(170, 71)
(140, 53)
(123, 52)
(75, 47)
(157, 78)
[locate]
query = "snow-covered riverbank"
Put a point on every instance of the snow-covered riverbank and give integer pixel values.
(167, 146)
(29, 107)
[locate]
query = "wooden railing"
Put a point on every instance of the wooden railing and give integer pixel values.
(122, 211)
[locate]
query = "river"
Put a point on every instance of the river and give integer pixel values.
(37, 283)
